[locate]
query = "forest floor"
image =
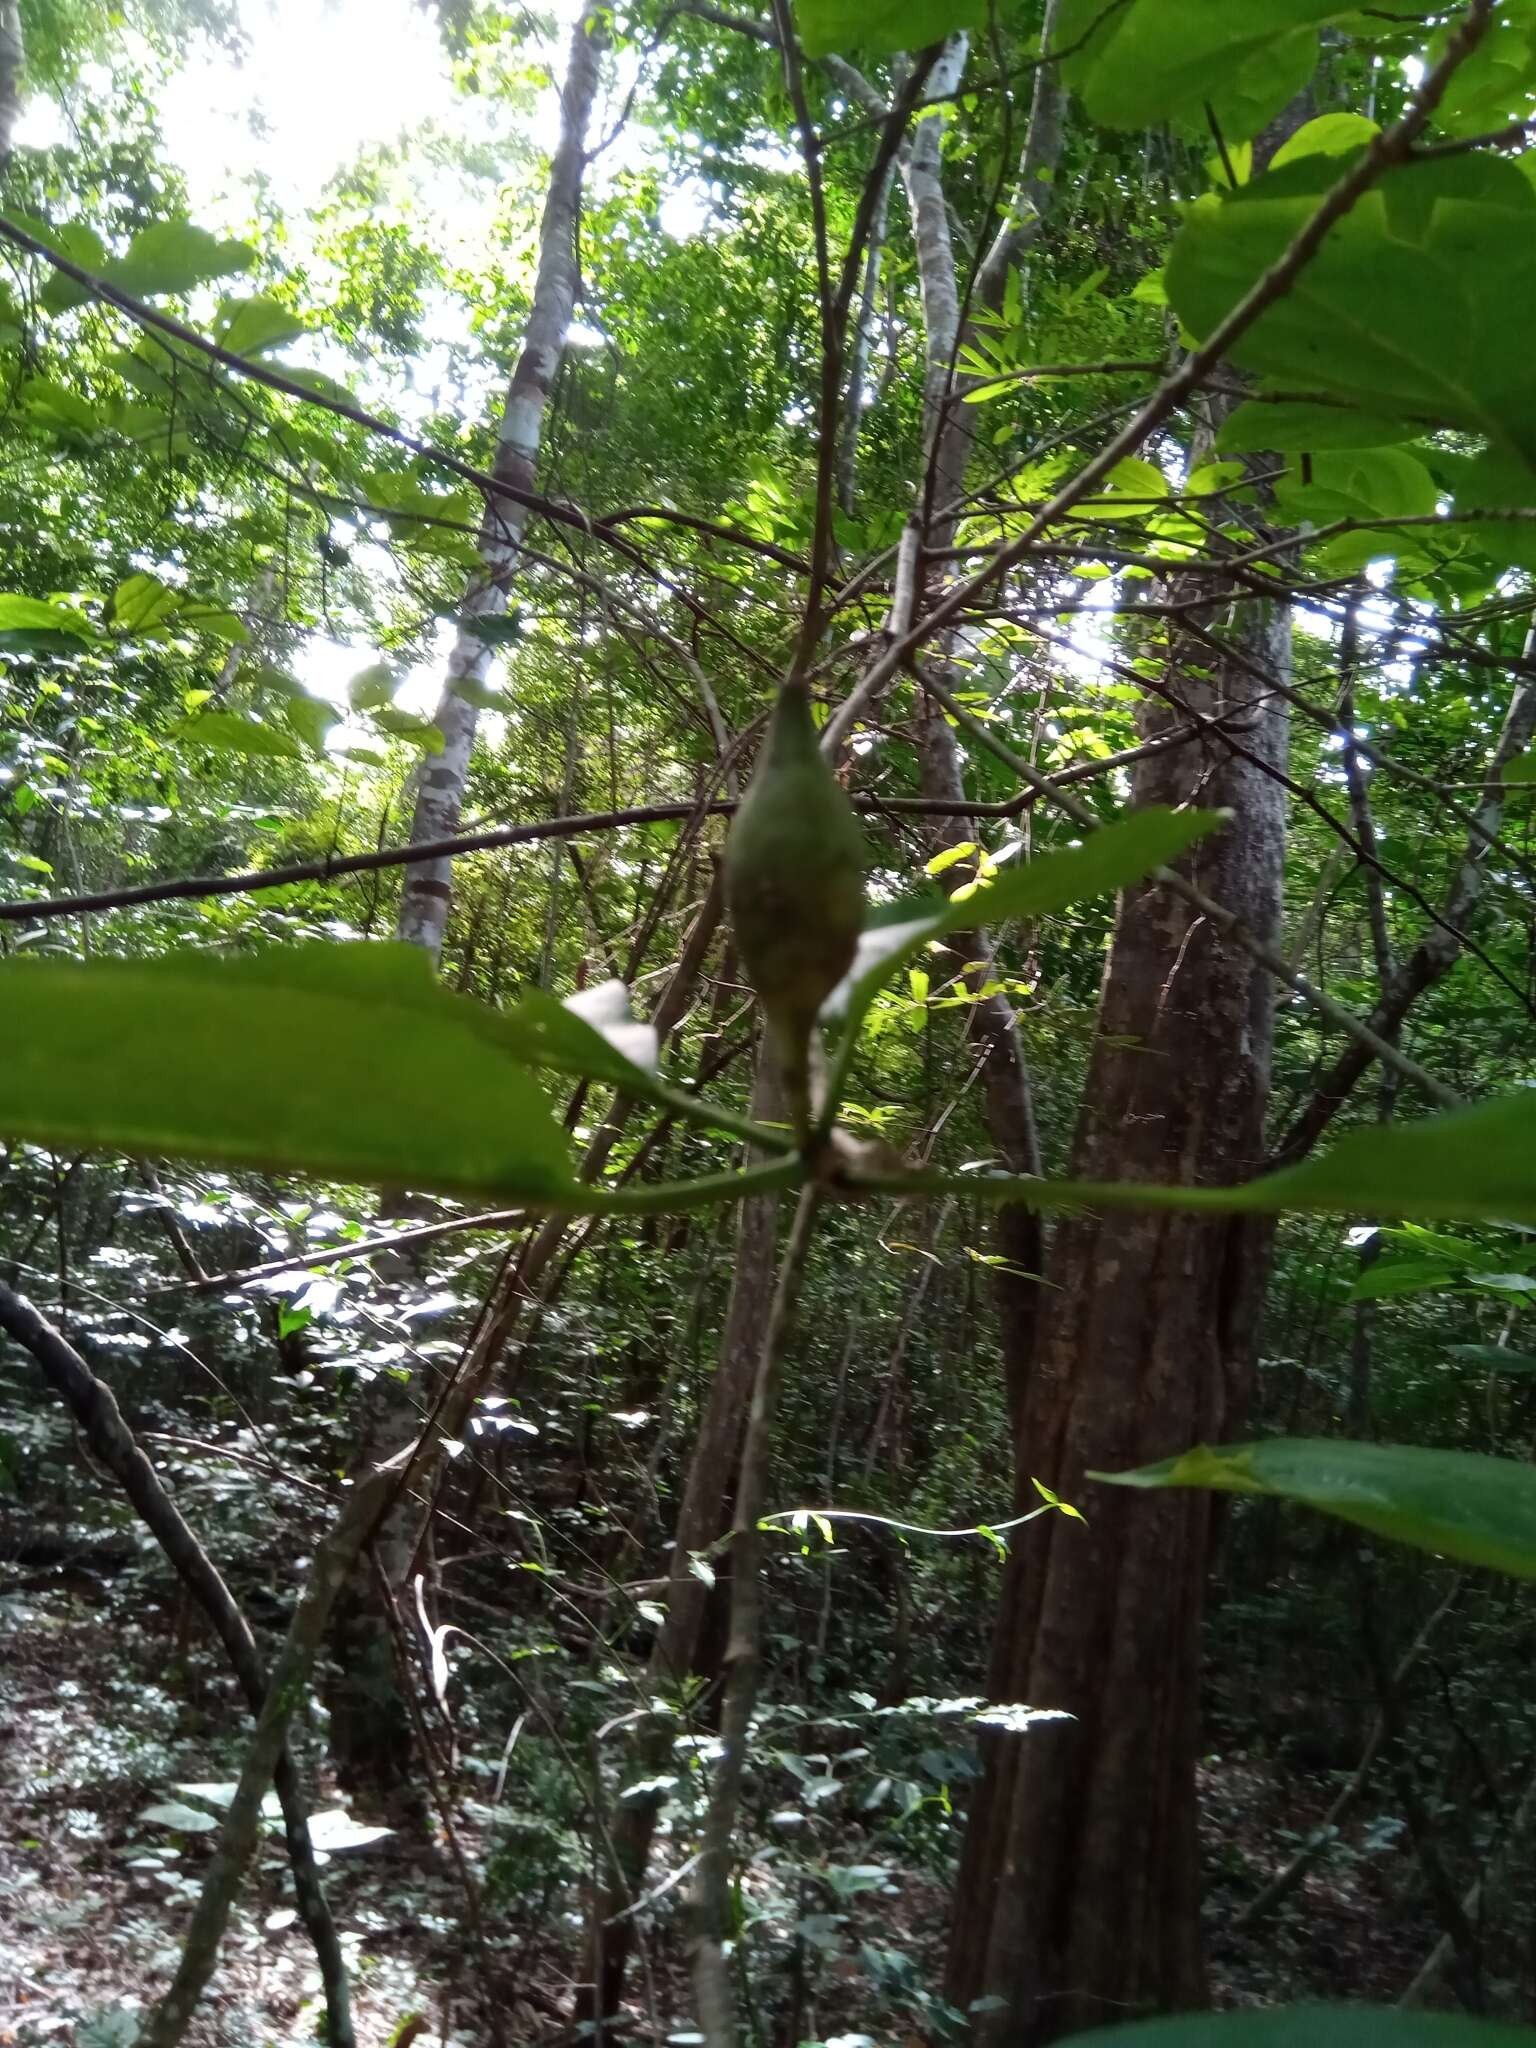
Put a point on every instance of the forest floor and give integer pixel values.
(96, 1733)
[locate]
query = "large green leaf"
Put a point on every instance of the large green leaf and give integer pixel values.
(1314, 2026)
(828, 25)
(227, 732)
(173, 256)
(249, 327)
(1293, 425)
(82, 245)
(1470, 1163)
(348, 1061)
(1495, 1358)
(1139, 64)
(1357, 483)
(548, 1033)
(406, 725)
(1418, 303)
(1481, 1510)
(24, 621)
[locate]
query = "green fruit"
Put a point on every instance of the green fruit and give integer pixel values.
(794, 884)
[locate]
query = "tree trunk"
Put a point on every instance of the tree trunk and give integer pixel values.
(1078, 1901)
(703, 1518)
(1007, 1098)
(428, 888)
(11, 55)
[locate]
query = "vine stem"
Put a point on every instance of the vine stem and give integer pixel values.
(710, 1902)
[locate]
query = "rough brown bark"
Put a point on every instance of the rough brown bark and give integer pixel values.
(1078, 1900)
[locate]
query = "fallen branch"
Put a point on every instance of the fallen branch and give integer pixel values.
(94, 1407)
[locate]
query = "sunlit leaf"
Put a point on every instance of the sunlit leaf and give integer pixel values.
(227, 732)
(248, 327)
(1108, 860)
(173, 256)
(24, 616)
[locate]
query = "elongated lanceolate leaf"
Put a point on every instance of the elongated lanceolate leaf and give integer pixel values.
(1314, 2026)
(1481, 1510)
(1124, 852)
(1495, 1358)
(348, 1061)
(1478, 1162)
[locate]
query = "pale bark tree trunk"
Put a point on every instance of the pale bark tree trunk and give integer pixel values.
(1078, 1900)
(12, 55)
(1007, 1100)
(858, 353)
(370, 1736)
(428, 889)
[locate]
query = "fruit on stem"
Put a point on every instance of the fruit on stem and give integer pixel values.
(794, 883)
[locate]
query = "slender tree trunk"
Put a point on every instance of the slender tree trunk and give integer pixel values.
(1007, 1098)
(12, 56)
(1078, 1901)
(428, 888)
(703, 1518)
(1440, 948)
(858, 353)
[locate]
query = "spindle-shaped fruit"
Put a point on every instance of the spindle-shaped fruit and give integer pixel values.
(794, 880)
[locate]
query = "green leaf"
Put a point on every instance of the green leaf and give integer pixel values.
(344, 1061)
(1416, 303)
(1481, 1510)
(372, 687)
(1361, 483)
(406, 725)
(22, 618)
(174, 256)
(311, 718)
(223, 625)
(1152, 61)
(1381, 1281)
(1293, 425)
(227, 732)
(495, 629)
(1327, 135)
(141, 603)
(827, 25)
(1495, 1358)
(81, 245)
(1469, 1163)
(59, 409)
(248, 327)
(1313, 2026)
(1108, 860)
(548, 1033)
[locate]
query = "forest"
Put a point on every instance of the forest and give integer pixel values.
(767, 1023)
